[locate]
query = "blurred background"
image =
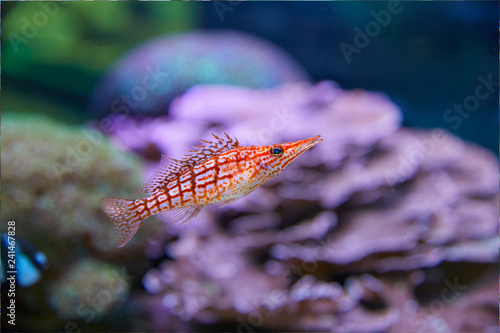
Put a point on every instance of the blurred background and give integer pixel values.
(390, 224)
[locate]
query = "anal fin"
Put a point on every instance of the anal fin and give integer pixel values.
(182, 215)
(227, 202)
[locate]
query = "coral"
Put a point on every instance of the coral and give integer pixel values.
(146, 80)
(356, 235)
(89, 290)
(53, 178)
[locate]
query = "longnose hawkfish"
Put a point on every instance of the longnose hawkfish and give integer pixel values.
(221, 171)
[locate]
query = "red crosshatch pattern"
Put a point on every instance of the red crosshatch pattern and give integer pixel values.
(220, 172)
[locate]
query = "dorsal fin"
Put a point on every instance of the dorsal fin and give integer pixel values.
(171, 168)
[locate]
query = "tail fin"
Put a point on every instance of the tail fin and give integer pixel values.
(125, 218)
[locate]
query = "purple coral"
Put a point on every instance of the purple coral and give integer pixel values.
(146, 80)
(348, 238)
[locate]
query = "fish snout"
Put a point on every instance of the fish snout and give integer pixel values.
(298, 147)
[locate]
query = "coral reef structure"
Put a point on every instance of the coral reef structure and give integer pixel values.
(147, 79)
(379, 228)
(89, 290)
(53, 176)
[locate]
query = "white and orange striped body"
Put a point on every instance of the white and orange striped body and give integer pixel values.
(220, 172)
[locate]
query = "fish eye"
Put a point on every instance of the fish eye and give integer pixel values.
(276, 151)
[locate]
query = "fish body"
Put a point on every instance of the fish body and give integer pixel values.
(219, 172)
